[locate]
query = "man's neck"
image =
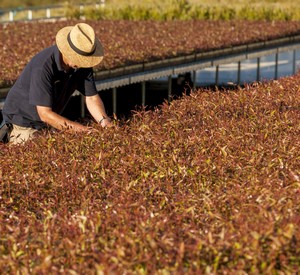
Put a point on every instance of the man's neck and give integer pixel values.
(65, 67)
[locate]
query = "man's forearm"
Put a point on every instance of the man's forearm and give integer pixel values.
(59, 122)
(96, 107)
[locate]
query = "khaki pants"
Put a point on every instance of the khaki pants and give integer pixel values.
(20, 134)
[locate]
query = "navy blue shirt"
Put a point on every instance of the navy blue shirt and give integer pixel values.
(43, 82)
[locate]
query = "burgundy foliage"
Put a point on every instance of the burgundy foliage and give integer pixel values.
(207, 184)
(132, 42)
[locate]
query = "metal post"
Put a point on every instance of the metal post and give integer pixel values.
(169, 87)
(143, 93)
(29, 14)
(102, 3)
(114, 99)
(194, 80)
(48, 13)
(81, 10)
(276, 66)
(82, 106)
(258, 69)
(294, 62)
(11, 16)
(217, 75)
(239, 73)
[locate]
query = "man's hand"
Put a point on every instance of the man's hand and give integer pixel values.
(105, 122)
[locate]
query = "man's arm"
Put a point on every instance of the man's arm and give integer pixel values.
(59, 122)
(96, 108)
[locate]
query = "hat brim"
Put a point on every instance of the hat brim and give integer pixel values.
(81, 61)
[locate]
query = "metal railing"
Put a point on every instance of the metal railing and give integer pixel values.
(150, 70)
(192, 63)
(42, 12)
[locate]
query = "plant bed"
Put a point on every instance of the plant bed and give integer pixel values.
(135, 42)
(209, 183)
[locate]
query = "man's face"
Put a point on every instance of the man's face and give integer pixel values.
(69, 63)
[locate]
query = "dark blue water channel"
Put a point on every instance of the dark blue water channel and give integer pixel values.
(228, 73)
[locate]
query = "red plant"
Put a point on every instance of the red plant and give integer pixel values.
(134, 42)
(208, 183)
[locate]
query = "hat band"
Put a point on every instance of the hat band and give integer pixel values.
(75, 49)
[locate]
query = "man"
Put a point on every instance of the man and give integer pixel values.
(43, 89)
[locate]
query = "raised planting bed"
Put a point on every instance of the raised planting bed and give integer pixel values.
(137, 42)
(206, 184)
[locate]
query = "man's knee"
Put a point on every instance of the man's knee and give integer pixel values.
(21, 134)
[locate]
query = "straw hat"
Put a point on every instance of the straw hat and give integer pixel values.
(79, 45)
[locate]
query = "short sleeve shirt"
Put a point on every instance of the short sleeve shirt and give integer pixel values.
(43, 82)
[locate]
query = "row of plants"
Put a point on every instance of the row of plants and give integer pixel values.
(206, 184)
(170, 9)
(133, 42)
(183, 10)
